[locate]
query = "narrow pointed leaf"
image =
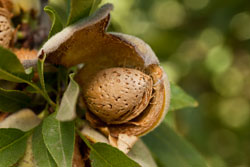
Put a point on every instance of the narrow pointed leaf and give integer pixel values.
(104, 155)
(67, 109)
(59, 138)
(11, 69)
(61, 8)
(79, 9)
(13, 100)
(172, 150)
(95, 5)
(180, 99)
(56, 25)
(141, 154)
(40, 70)
(41, 154)
(12, 146)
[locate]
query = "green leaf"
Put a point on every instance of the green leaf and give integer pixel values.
(61, 8)
(59, 138)
(104, 155)
(12, 146)
(95, 5)
(13, 100)
(40, 152)
(40, 70)
(11, 69)
(180, 99)
(171, 149)
(56, 25)
(67, 109)
(66, 12)
(141, 154)
(79, 9)
(28, 159)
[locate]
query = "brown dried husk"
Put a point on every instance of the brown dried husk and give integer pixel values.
(7, 4)
(26, 56)
(88, 42)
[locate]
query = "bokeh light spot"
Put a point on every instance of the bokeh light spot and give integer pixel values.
(196, 4)
(172, 71)
(240, 25)
(211, 37)
(234, 112)
(229, 83)
(219, 59)
(168, 14)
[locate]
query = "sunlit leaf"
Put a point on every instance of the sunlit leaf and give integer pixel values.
(59, 138)
(12, 146)
(56, 25)
(41, 154)
(172, 150)
(13, 100)
(66, 12)
(79, 9)
(67, 109)
(104, 155)
(61, 8)
(141, 154)
(95, 5)
(180, 99)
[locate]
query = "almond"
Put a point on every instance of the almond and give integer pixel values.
(6, 30)
(105, 56)
(117, 95)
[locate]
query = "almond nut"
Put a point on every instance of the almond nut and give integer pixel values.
(6, 31)
(117, 95)
(87, 42)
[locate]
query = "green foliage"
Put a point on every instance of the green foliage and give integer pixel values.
(67, 109)
(40, 70)
(54, 139)
(13, 100)
(11, 69)
(104, 155)
(79, 9)
(180, 99)
(141, 154)
(62, 9)
(172, 150)
(41, 154)
(59, 138)
(56, 24)
(12, 146)
(66, 12)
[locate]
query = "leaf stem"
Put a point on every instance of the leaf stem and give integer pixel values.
(45, 95)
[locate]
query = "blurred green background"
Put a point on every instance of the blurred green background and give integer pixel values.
(204, 47)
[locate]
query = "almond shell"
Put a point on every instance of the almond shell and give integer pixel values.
(87, 42)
